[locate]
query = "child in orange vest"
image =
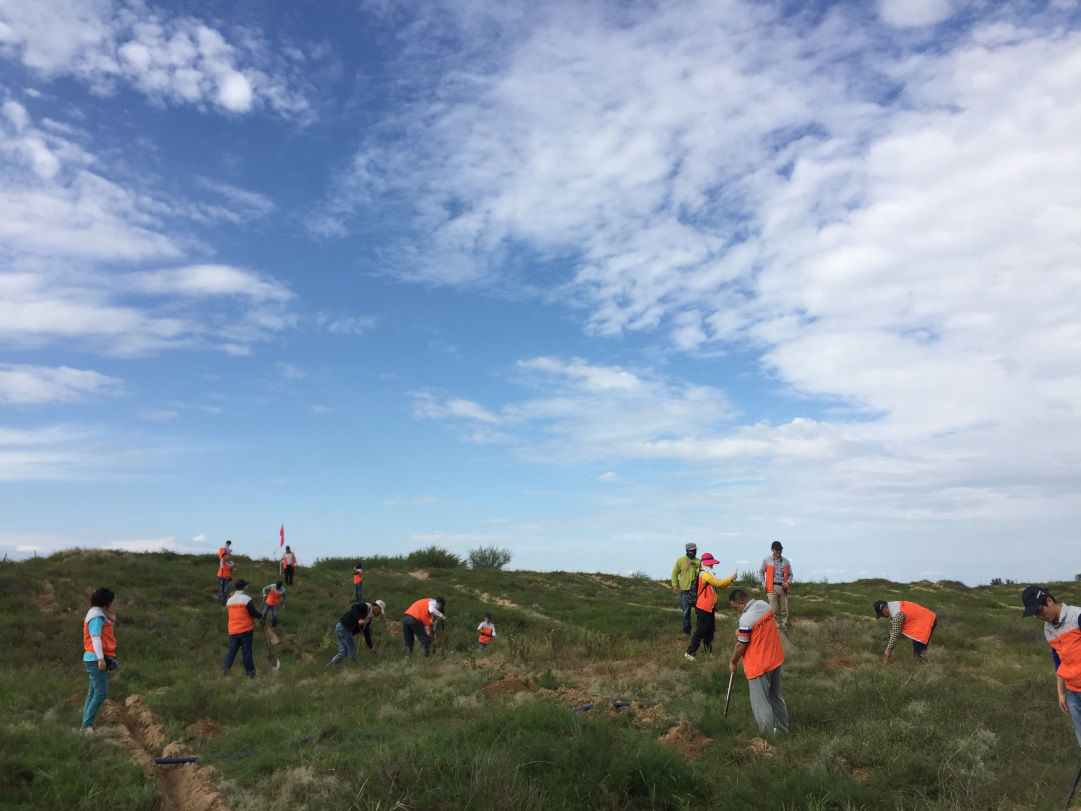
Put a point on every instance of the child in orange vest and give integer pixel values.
(486, 631)
(358, 581)
(225, 574)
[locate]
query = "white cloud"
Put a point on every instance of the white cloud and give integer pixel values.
(168, 57)
(415, 501)
(319, 410)
(210, 280)
(158, 414)
(147, 545)
(23, 384)
(291, 372)
(200, 538)
(914, 13)
(608, 476)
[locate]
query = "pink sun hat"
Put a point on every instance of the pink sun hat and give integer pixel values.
(709, 560)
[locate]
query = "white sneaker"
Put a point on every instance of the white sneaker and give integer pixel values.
(688, 657)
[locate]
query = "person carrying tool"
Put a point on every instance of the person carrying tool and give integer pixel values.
(273, 596)
(758, 644)
(683, 572)
(289, 562)
(908, 619)
(99, 652)
(358, 618)
(358, 581)
(242, 614)
(705, 604)
(486, 631)
(225, 574)
(417, 621)
(1063, 634)
(775, 574)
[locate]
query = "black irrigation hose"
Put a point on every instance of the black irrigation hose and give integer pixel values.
(585, 707)
(166, 761)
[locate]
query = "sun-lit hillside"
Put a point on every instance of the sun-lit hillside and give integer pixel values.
(977, 727)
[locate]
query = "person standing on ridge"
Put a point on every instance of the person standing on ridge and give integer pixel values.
(775, 574)
(683, 572)
(225, 550)
(358, 581)
(417, 621)
(908, 619)
(1063, 634)
(273, 596)
(99, 652)
(486, 631)
(242, 614)
(705, 603)
(225, 574)
(358, 618)
(758, 644)
(289, 562)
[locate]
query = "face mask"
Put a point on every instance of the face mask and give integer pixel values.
(690, 555)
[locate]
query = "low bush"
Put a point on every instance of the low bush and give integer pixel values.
(489, 557)
(433, 557)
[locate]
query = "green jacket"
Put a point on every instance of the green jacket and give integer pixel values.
(683, 572)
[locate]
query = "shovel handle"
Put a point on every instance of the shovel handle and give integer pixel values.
(728, 695)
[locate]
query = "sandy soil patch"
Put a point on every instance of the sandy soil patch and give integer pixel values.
(839, 663)
(47, 603)
(507, 685)
(273, 636)
(420, 574)
(205, 728)
(760, 748)
(686, 740)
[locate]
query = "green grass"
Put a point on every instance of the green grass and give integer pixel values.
(975, 728)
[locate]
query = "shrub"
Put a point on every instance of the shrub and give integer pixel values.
(748, 577)
(433, 557)
(489, 557)
(641, 577)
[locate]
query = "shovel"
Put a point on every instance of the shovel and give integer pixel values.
(728, 695)
(272, 660)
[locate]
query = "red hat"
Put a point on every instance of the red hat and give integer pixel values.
(709, 560)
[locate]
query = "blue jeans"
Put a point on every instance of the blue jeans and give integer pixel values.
(347, 646)
(358, 588)
(1073, 704)
(98, 692)
(686, 602)
(223, 590)
(271, 611)
(241, 642)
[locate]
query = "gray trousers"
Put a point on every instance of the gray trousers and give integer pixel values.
(767, 702)
(778, 601)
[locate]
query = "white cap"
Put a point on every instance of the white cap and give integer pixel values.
(382, 606)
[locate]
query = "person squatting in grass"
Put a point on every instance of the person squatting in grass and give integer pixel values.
(289, 563)
(775, 574)
(486, 632)
(273, 596)
(417, 621)
(758, 644)
(683, 572)
(358, 618)
(242, 614)
(358, 581)
(705, 603)
(908, 619)
(1063, 634)
(225, 574)
(99, 652)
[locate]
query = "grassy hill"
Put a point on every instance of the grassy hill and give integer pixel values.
(977, 727)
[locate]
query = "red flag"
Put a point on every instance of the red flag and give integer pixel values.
(283, 537)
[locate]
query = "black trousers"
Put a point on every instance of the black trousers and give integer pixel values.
(704, 628)
(919, 649)
(289, 575)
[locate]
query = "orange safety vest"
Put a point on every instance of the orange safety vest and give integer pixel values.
(289, 559)
(273, 597)
(240, 621)
(226, 570)
(764, 652)
(485, 634)
(1066, 643)
(707, 597)
(108, 640)
(358, 577)
(419, 611)
(918, 621)
(786, 574)
(221, 552)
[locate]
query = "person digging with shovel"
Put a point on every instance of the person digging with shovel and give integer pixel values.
(758, 644)
(273, 596)
(358, 618)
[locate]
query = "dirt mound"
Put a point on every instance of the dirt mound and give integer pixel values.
(47, 603)
(503, 601)
(205, 728)
(507, 685)
(760, 748)
(839, 663)
(420, 574)
(686, 740)
(139, 721)
(273, 637)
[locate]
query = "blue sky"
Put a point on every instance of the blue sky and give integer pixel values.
(584, 281)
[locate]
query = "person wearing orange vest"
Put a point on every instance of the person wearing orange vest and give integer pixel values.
(758, 644)
(358, 581)
(225, 550)
(99, 652)
(225, 574)
(908, 619)
(418, 621)
(705, 603)
(273, 596)
(242, 614)
(486, 631)
(289, 562)
(775, 574)
(1062, 631)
